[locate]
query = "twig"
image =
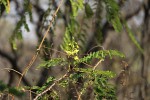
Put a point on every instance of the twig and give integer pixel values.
(96, 47)
(50, 87)
(97, 64)
(9, 69)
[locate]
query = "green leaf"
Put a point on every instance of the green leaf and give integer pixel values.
(76, 5)
(64, 83)
(26, 26)
(35, 87)
(28, 8)
(15, 92)
(19, 35)
(6, 3)
(116, 53)
(116, 24)
(100, 55)
(88, 10)
(52, 62)
(70, 46)
(50, 79)
(108, 74)
(2, 86)
(13, 44)
(132, 37)
(112, 9)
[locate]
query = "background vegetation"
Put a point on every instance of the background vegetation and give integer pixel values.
(74, 49)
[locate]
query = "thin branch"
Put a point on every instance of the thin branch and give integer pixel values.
(13, 61)
(96, 47)
(97, 64)
(87, 64)
(9, 69)
(51, 86)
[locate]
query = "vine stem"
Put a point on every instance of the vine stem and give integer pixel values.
(51, 86)
(39, 47)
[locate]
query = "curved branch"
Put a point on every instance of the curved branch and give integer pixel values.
(13, 62)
